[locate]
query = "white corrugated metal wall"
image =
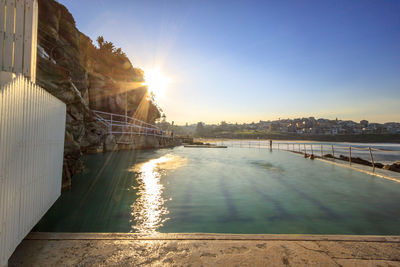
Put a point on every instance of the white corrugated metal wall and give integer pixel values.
(32, 126)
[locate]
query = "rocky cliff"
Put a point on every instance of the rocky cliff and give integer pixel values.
(85, 77)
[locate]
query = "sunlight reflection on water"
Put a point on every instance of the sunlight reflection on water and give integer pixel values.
(149, 211)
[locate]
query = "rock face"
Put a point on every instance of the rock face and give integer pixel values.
(110, 144)
(139, 142)
(393, 167)
(361, 161)
(86, 77)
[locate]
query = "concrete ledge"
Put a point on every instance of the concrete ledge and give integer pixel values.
(381, 173)
(205, 236)
(196, 249)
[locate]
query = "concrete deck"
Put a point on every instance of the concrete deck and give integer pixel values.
(73, 249)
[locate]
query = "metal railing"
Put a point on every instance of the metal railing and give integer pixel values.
(353, 154)
(124, 125)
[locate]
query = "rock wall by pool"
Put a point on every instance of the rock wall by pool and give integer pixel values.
(85, 77)
(138, 142)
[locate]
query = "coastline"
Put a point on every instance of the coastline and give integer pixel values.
(362, 138)
(217, 139)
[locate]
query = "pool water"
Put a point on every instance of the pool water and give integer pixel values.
(233, 190)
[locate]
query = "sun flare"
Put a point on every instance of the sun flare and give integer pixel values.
(156, 81)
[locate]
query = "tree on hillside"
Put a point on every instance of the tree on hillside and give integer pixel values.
(108, 46)
(100, 41)
(119, 52)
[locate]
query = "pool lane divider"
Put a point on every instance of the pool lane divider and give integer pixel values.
(211, 236)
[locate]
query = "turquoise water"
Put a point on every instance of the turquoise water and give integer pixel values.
(234, 190)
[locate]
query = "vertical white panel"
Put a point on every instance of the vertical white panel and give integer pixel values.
(32, 127)
(6, 167)
(35, 19)
(2, 174)
(9, 36)
(18, 36)
(19, 33)
(2, 30)
(28, 37)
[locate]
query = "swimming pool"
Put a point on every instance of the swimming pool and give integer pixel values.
(234, 190)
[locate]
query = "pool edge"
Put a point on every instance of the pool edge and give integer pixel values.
(211, 236)
(385, 174)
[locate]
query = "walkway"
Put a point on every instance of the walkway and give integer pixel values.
(335, 150)
(382, 173)
(56, 249)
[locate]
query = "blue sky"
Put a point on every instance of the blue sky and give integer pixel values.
(244, 61)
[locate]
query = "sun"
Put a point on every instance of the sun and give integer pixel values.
(156, 82)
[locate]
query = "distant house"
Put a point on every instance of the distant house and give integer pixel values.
(392, 127)
(313, 130)
(364, 123)
(274, 127)
(264, 125)
(291, 128)
(374, 128)
(357, 130)
(326, 131)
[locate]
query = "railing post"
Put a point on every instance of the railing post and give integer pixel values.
(350, 155)
(372, 160)
(333, 153)
(322, 154)
(312, 151)
(305, 151)
(131, 132)
(111, 124)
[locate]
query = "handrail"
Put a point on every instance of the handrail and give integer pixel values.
(123, 116)
(349, 152)
(100, 119)
(127, 125)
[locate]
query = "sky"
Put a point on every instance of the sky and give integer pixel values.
(245, 61)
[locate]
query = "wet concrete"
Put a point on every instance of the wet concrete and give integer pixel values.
(65, 249)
